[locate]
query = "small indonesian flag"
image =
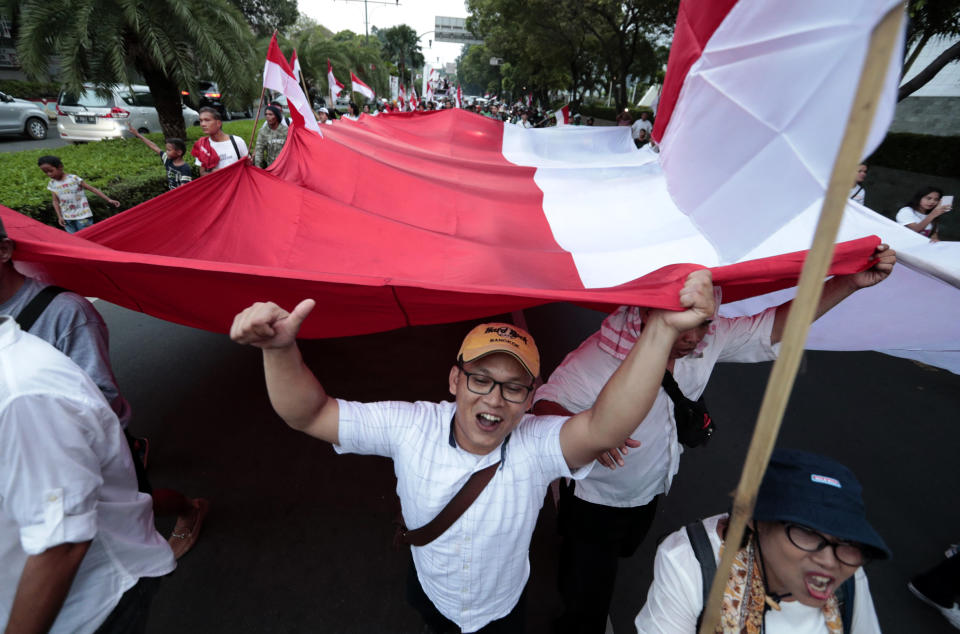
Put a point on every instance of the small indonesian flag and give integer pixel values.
(295, 65)
(401, 98)
(459, 97)
(414, 102)
(563, 115)
(278, 76)
(335, 86)
(360, 87)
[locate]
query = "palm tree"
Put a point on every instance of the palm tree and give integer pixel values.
(401, 46)
(166, 42)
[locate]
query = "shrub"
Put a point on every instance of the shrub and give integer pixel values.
(29, 89)
(124, 169)
(921, 153)
(609, 114)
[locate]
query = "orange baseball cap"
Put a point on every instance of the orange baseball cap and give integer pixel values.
(498, 337)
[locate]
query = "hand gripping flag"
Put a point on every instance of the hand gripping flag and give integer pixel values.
(360, 87)
(335, 86)
(278, 76)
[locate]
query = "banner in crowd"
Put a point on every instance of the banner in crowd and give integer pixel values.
(394, 87)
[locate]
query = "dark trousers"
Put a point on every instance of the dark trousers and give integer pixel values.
(595, 537)
(513, 623)
(130, 615)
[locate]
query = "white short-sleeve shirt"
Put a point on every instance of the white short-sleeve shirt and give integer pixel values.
(474, 572)
(649, 469)
(228, 155)
(675, 598)
(66, 475)
(909, 215)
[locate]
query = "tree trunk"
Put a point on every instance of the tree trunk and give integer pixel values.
(166, 97)
(928, 73)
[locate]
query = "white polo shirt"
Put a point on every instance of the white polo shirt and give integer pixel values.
(66, 475)
(650, 468)
(475, 572)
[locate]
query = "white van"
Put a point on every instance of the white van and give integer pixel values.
(92, 116)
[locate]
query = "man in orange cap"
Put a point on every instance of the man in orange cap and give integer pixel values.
(471, 577)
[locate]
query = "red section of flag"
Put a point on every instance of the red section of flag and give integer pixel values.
(696, 22)
(473, 242)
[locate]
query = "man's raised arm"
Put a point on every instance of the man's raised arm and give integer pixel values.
(629, 394)
(294, 391)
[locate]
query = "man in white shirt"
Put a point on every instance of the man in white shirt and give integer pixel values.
(607, 515)
(643, 123)
(800, 570)
(217, 149)
(473, 575)
(78, 549)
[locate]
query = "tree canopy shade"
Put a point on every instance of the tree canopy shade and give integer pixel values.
(575, 44)
(402, 47)
(267, 16)
(929, 19)
(166, 42)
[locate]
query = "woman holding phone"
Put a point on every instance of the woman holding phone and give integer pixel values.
(923, 211)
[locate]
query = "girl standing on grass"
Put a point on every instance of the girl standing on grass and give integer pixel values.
(178, 170)
(69, 201)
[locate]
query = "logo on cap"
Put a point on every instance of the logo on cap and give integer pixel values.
(819, 479)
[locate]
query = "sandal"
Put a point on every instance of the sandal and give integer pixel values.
(187, 529)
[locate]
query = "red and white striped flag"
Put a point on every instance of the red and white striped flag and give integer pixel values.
(278, 76)
(563, 115)
(414, 101)
(335, 86)
(360, 87)
(529, 99)
(401, 98)
(295, 65)
(459, 97)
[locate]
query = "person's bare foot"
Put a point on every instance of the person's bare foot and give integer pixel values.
(187, 529)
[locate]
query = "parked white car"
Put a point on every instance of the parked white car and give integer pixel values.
(92, 116)
(19, 116)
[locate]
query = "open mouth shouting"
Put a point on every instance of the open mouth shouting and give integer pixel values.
(488, 422)
(819, 586)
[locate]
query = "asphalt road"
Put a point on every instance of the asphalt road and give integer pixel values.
(299, 539)
(18, 143)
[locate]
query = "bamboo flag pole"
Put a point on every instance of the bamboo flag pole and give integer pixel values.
(256, 120)
(869, 90)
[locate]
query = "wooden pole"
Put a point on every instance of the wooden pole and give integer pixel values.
(802, 311)
(256, 120)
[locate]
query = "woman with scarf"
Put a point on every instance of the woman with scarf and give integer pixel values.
(217, 149)
(798, 570)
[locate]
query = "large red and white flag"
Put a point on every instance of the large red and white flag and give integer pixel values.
(278, 76)
(335, 86)
(783, 76)
(360, 87)
(563, 115)
(378, 261)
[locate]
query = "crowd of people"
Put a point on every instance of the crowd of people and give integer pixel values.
(80, 551)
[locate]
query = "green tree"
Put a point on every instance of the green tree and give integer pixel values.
(166, 42)
(267, 16)
(631, 37)
(347, 52)
(477, 74)
(929, 19)
(401, 46)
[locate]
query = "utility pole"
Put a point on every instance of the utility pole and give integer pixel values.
(366, 15)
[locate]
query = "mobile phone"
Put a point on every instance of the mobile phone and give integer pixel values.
(947, 201)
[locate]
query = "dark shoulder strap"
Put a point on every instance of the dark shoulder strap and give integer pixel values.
(32, 311)
(236, 148)
(845, 596)
(700, 541)
(673, 390)
(456, 507)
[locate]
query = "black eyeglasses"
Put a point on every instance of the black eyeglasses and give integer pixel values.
(483, 384)
(811, 541)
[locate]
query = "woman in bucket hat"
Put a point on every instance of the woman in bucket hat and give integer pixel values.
(799, 568)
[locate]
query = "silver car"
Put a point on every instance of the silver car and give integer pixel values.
(93, 116)
(19, 116)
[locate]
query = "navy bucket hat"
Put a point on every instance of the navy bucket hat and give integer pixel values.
(817, 492)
